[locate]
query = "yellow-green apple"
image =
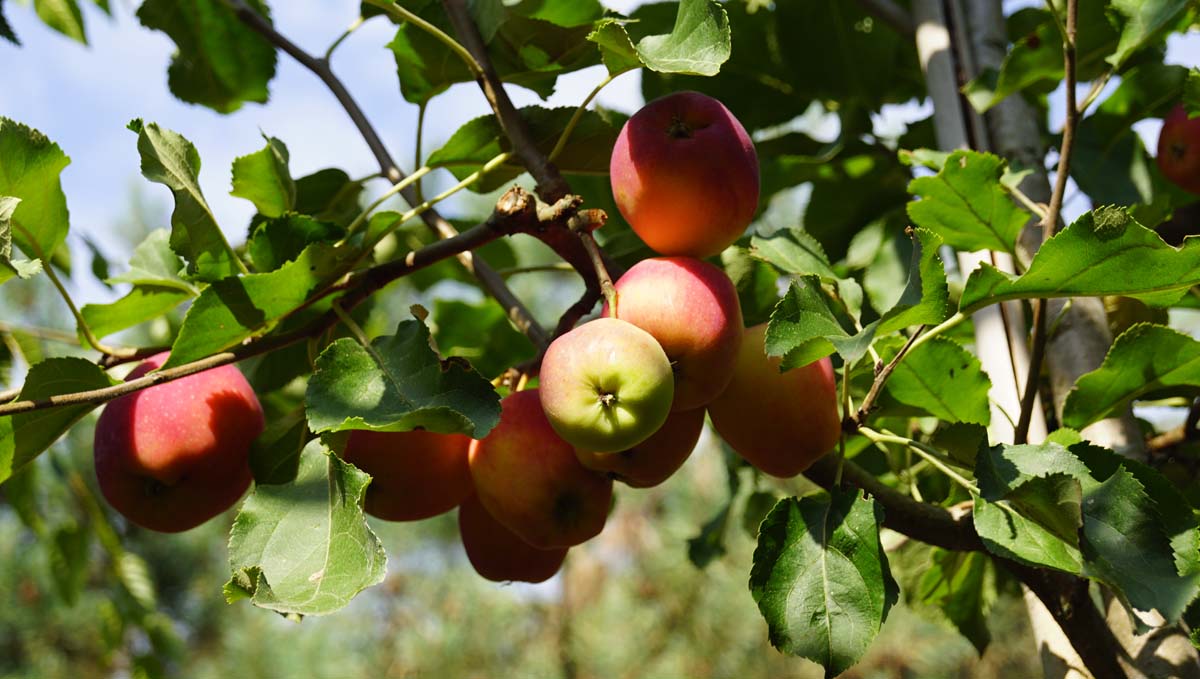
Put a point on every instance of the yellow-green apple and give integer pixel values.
(685, 175)
(1179, 149)
(173, 456)
(414, 474)
(529, 479)
(779, 422)
(499, 554)
(654, 460)
(606, 385)
(691, 307)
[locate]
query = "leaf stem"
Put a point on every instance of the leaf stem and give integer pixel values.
(395, 188)
(931, 455)
(345, 34)
(938, 329)
(399, 12)
(881, 378)
(576, 117)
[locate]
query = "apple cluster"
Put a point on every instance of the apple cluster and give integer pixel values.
(622, 397)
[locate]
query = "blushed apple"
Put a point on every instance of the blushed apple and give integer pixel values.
(779, 422)
(1179, 149)
(691, 307)
(654, 460)
(414, 474)
(685, 175)
(499, 554)
(606, 385)
(173, 456)
(529, 479)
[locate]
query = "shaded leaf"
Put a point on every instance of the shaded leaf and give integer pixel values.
(480, 333)
(262, 178)
(275, 454)
(943, 379)
(276, 242)
(926, 297)
(966, 205)
(962, 585)
(793, 251)
(1146, 21)
(803, 328)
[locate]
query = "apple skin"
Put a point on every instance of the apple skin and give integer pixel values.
(606, 385)
(684, 175)
(691, 307)
(499, 554)
(414, 474)
(1179, 149)
(528, 478)
(173, 456)
(779, 422)
(654, 460)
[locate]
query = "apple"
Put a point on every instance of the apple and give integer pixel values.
(173, 456)
(499, 554)
(414, 474)
(691, 307)
(779, 422)
(606, 385)
(1179, 149)
(654, 460)
(529, 479)
(685, 175)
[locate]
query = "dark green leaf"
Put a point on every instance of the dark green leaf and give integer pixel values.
(171, 160)
(559, 12)
(756, 284)
(1143, 359)
(68, 552)
(966, 205)
(263, 179)
(305, 547)
(398, 384)
(221, 62)
(32, 165)
(709, 544)
(821, 579)
(803, 328)
(1105, 252)
(276, 242)
(275, 454)
(1191, 93)
(328, 195)
(925, 298)
(963, 586)
(943, 379)
(758, 505)
(24, 436)
(6, 30)
(1146, 21)
(480, 333)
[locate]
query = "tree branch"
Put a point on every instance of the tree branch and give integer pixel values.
(488, 278)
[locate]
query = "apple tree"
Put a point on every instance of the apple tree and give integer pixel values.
(962, 373)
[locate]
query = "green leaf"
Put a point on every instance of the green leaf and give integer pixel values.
(793, 251)
(803, 328)
(234, 309)
(32, 165)
(756, 283)
(1191, 93)
(328, 195)
(9, 267)
(6, 30)
(155, 263)
(1105, 252)
(945, 380)
(966, 205)
(480, 333)
(63, 16)
(221, 62)
(275, 454)
(276, 242)
(68, 556)
(821, 579)
(616, 49)
(142, 303)
(1143, 359)
(24, 436)
(1126, 547)
(171, 160)
(559, 12)
(263, 179)
(305, 547)
(398, 384)
(1145, 22)
(962, 585)
(925, 298)
(697, 45)
(758, 504)
(482, 139)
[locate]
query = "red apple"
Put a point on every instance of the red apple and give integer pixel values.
(173, 456)
(685, 175)
(654, 460)
(529, 479)
(414, 474)
(1179, 149)
(606, 385)
(691, 307)
(497, 553)
(779, 422)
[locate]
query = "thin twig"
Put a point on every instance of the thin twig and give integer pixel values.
(1050, 223)
(402, 14)
(576, 117)
(881, 378)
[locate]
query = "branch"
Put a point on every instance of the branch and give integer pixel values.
(881, 378)
(891, 14)
(1050, 221)
(487, 277)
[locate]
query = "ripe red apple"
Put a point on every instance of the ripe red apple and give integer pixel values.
(175, 455)
(779, 422)
(1179, 149)
(497, 553)
(691, 307)
(685, 175)
(606, 385)
(529, 479)
(654, 460)
(414, 474)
